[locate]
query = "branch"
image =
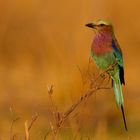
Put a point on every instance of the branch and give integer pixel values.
(95, 85)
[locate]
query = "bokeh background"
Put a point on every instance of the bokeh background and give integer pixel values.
(41, 43)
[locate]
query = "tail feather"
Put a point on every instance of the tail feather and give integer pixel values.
(124, 120)
(119, 98)
(118, 92)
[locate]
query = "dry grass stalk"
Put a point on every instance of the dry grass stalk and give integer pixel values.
(15, 118)
(28, 126)
(12, 136)
(34, 118)
(26, 130)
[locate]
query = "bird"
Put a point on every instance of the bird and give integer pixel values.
(106, 52)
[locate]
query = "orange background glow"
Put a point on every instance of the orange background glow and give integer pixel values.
(42, 43)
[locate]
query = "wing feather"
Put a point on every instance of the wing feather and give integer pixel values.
(118, 54)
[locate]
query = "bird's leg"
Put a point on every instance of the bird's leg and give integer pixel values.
(111, 67)
(106, 74)
(102, 76)
(106, 81)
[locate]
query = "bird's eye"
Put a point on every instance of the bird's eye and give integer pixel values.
(102, 24)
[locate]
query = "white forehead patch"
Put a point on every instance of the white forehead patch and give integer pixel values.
(103, 22)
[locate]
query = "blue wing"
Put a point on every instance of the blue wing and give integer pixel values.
(118, 55)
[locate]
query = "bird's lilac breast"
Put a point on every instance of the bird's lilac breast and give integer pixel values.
(101, 45)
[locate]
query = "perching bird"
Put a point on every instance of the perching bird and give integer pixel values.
(106, 52)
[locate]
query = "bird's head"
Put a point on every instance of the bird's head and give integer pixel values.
(100, 26)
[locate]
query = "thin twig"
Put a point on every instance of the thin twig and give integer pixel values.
(34, 118)
(28, 126)
(45, 137)
(12, 136)
(79, 101)
(26, 130)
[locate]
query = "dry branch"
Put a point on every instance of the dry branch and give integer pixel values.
(95, 84)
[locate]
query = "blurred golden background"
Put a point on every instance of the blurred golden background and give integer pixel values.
(42, 43)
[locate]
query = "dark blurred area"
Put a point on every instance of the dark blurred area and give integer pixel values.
(43, 42)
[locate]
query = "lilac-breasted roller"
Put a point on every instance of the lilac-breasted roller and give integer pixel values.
(106, 52)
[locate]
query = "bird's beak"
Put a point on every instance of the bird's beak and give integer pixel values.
(91, 25)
